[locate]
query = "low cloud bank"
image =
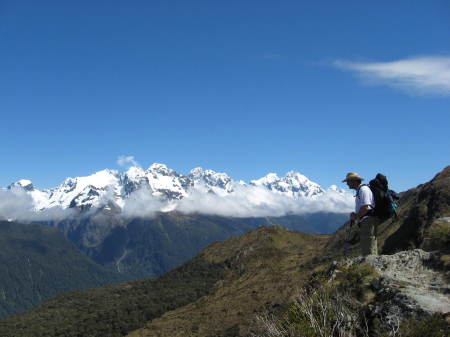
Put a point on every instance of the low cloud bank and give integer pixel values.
(18, 205)
(244, 201)
(143, 204)
(418, 75)
(255, 201)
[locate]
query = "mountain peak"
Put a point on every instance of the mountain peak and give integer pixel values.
(26, 184)
(296, 175)
(196, 172)
(267, 179)
(293, 184)
(100, 179)
(135, 173)
(161, 169)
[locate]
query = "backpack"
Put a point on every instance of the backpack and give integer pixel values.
(386, 200)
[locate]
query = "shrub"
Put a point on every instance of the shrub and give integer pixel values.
(315, 313)
(433, 326)
(440, 233)
(356, 279)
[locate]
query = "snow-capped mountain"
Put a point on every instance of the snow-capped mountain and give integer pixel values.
(293, 185)
(111, 187)
(219, 183)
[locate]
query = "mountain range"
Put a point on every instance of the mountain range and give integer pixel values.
(160, 188)
(249, 285)
(143, 223)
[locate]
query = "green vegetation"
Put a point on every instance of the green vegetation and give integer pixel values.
(151, 247)
(266, 265)
(324, 308)
(316, 312)
(433, 326)
(356, 280)
(220, 292)
(440, 234)
(37, 263)
(324, 312)
(116, 309)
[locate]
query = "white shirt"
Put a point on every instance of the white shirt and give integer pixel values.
(364, 196)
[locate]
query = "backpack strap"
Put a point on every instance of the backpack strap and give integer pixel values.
(357, 191)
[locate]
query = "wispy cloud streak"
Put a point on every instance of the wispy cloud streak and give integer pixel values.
(418, 75)
(127, 160)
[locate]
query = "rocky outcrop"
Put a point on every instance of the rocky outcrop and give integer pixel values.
(407, 285)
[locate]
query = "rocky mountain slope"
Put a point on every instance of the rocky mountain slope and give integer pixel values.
(37, 262)
(260, 274)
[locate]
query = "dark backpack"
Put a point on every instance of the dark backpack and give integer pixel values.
(385, 199)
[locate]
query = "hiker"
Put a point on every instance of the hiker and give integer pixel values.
(365, 204)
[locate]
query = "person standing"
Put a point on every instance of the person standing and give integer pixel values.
(364, 206)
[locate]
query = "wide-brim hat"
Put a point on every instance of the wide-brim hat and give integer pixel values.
(352, 176)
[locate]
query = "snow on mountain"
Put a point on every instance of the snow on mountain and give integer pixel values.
(293, 185)
(86, 192)
(40, 198)
(336, 189)
(27, 185)
(107, 187)
(167, 183)
(218, 183)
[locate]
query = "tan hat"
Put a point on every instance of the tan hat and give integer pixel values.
(352, 176)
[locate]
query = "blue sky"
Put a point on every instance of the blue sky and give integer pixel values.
(243, 87)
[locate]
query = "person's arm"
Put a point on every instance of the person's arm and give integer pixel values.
(362, 212)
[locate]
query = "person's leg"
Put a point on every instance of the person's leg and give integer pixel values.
(373, 235)
(369, 245)
(364, 238)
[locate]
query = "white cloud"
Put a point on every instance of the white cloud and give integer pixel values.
(245, 201)
(142, 203)
(15, 203)
(257, 201)
(419, 75)
(18, 205)
(127, 160)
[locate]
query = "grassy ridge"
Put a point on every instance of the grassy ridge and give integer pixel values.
(225, 283)
(267, 265)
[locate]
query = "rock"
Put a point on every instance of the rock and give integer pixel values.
(406, 286)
